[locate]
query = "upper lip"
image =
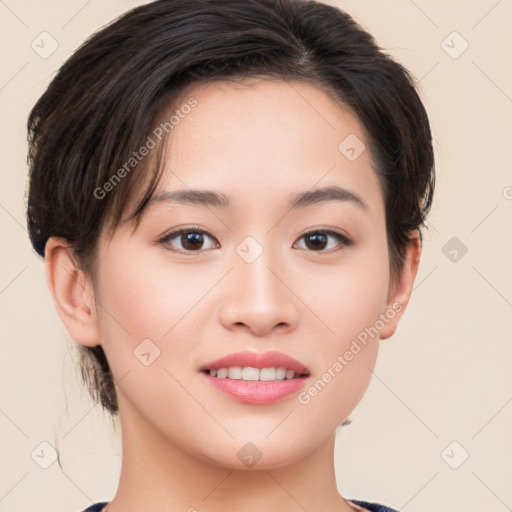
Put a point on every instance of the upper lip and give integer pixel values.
(257, 360)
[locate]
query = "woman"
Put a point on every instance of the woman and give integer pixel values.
(229, 196)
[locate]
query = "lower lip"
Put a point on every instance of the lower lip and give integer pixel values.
(257, 391)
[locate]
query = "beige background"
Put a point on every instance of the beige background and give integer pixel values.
(444, 377)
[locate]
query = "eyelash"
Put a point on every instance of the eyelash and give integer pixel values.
(344, 241)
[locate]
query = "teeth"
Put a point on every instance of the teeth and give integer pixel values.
(268, 374)
(249, 373)
(235, 372)
(280, 373)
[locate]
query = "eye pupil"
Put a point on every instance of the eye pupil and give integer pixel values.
(319, 240)
(192, 240)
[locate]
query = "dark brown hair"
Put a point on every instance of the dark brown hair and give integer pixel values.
(99, 109)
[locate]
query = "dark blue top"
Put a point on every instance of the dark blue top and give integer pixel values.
(374, 507)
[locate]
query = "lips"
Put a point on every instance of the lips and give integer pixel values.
(260, 392)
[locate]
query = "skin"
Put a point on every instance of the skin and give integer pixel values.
(259, 143)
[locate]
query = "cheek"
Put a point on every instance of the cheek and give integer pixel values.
(351, 308)
(147, 325)
(147, 298)
(350, 297)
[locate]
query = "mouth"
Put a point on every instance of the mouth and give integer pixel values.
(257, 378)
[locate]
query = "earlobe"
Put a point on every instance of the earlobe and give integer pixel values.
(401, 292)
(72, 292)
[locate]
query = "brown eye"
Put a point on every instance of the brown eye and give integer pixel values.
(318, 241)
(186, 240)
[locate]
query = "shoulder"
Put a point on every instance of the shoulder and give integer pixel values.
(372, 507)
(96, 507)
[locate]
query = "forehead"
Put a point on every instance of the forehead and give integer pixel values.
(263, 134)
(253, 111)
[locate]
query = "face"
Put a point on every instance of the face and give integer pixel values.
(259, 275)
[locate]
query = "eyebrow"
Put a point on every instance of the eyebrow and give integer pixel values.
(220, 200)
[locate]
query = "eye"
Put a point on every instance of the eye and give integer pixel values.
(186, 240)
(192, 239)
(318, 241)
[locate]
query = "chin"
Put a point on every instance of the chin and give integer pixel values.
(254, 455)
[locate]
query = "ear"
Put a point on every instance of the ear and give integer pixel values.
(400, 291)
(72, 291)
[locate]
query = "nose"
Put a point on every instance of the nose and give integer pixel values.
(258, 298)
